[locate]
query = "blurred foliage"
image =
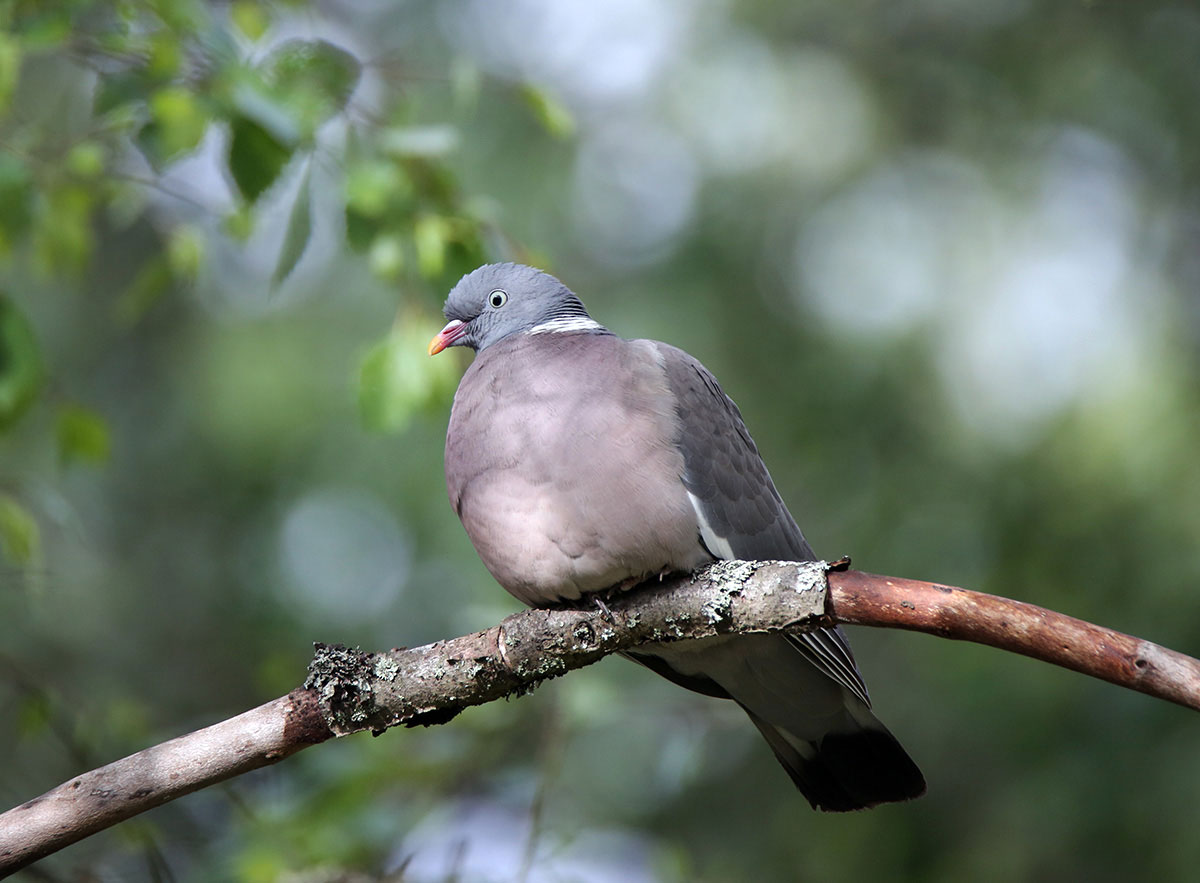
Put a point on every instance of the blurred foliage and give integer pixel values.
(19, 535)
(943, 255)
(395, 381)
(82, 436)
(20, 363)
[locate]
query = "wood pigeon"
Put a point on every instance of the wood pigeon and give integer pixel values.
(579, 461)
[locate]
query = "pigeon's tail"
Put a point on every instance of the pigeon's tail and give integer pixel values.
(848, 770)
(821, 729)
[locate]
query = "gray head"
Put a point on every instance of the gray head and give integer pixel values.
(497, 300)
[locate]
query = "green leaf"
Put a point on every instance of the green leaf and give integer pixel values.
(373, 186)
(256, 157)
(360, 230)
(313, 78)
(20, 363)
(62, 230)
(446, 247)
(10, 68)
(16, 200)
(150, 284)
(299, 229)
(239, 224)
(185, 251)
(253, 99)
(43, 27)
(249, 18)
(86, 159)
(165, 56)
(398, 379)
(465, 252)
(549, 111)
(178, 120)
(83, 436)
(20, 539)
(119, 89)
(430, 236)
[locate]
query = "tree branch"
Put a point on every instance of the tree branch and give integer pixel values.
(949, 612)
(348, 690)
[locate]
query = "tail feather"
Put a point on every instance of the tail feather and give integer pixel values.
(845, 771)
(823, 733)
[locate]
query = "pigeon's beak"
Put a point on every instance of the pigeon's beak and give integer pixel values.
(448, 336)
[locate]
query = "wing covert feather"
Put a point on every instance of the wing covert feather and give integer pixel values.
(738, 501)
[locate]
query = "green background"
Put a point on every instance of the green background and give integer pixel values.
(945, 255)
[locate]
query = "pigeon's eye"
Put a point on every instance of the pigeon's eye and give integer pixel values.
(498, 298)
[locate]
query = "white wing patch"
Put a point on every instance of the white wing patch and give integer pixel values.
(824, 648)
(718, 545)
(575, 323)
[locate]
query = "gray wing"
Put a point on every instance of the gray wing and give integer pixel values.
(742, 514)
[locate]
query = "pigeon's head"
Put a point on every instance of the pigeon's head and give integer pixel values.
(497, 300)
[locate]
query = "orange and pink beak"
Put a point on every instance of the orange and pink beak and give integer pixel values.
(448, 336)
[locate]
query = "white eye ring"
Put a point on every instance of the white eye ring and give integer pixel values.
(498, 298)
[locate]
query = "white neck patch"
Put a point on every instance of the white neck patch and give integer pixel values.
(574, 323)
